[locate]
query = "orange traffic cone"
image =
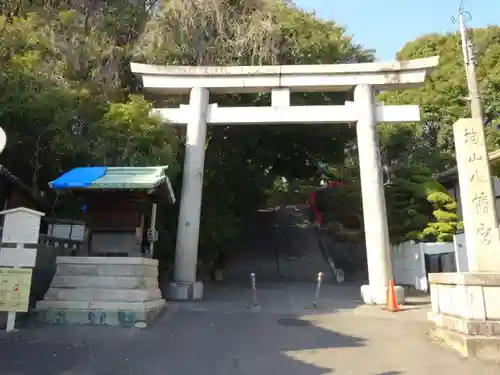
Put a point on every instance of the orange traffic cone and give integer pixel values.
(392, 304)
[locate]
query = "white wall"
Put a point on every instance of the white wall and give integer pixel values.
(408, 262)
(408, 265)
(438, 248)
(461, 253)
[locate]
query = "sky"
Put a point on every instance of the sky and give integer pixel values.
(386, 25)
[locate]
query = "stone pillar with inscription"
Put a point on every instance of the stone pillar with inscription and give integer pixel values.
(466, 306)
(477, 197)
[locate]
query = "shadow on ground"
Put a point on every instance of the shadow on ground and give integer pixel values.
(180, 343)
(222, 336)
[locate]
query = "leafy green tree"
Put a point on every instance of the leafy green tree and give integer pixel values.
(66, 94)
(443, 98)
(445, 223)
(420, 208)
(242, 163)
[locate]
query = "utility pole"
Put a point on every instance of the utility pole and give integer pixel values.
(470, 70)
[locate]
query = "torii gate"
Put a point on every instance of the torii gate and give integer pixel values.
(364, 78)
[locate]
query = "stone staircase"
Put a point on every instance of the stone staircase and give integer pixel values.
(301, 258)
(102, 290)
(282, 245)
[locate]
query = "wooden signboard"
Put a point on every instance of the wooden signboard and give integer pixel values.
(21, 225)
(17, 257)
(15, 285)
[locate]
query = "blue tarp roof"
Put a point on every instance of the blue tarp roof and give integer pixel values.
(78, 178)
(115, 178)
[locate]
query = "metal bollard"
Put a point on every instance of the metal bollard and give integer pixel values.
(254, 290)
(318, 287)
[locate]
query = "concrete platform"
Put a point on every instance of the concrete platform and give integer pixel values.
(469, 338)
(103, 291)
(109, 315)
(376, 295)
(466, 313)
(179, 291)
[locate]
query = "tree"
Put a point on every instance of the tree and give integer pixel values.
(242, 163)
(443, 97)
(419, 207)
(445, 223)
(58, 83)
(67, 98)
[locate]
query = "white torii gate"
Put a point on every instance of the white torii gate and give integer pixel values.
(364, 78)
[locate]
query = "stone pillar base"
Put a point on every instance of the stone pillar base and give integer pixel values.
(116, 291)
(470, 338)
(377, 295)
(185, 291)
(466, 313)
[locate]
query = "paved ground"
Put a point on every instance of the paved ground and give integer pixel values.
(221, 336)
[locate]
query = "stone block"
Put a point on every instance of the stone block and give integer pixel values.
(106, 270)
(127, 270)
(107, 261)
(102, 290)
(465, 326)
(129, 306)
(491, 302)
(465, 278)
(377, 295)
(100, 294)
(461, 300)
(185, 291)
(466, 313)
(119, 282)
(434, 298)
(124, 318)
(485, 348)
(99, 305)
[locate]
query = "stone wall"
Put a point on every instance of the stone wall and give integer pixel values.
(466, 312)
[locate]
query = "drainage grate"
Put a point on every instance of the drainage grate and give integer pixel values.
(292, 322)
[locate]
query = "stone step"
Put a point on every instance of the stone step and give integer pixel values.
(107, 261)
(110, 314)
(106, 266)
(106, 270)
(99, 305)
(102, 290)
(89, 294)
(106, 282)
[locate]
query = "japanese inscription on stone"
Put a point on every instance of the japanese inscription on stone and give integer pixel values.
(479, 211)
(480, 203)
(480, 199)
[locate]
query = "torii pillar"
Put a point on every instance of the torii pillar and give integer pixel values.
(364, 79)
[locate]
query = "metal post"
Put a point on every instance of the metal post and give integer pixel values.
(254, 290)
(11, 321)
(11, 315)
(318, 287)
(152, 230)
